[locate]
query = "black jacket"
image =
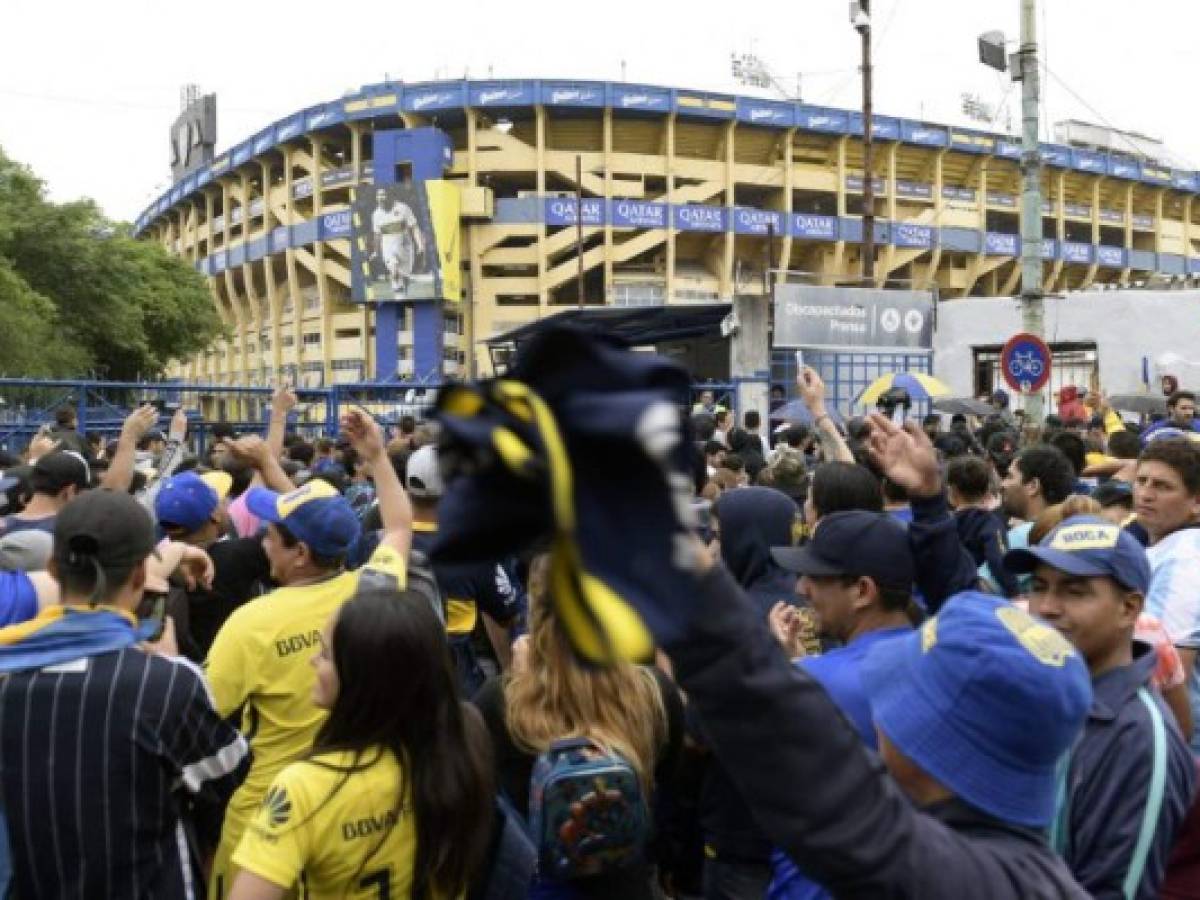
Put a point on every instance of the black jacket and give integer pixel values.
(984, 534)
(819, 794)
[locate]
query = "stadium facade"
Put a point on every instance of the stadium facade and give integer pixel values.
(688, 196)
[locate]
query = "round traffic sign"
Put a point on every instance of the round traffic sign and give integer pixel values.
(1025, 363)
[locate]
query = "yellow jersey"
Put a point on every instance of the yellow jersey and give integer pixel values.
(342, 833)
(261, 662)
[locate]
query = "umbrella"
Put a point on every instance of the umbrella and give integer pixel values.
(918, 385)
(967, 406)
(796, 413)
(1142, 404)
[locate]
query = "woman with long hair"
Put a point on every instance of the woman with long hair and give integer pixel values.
(549, 695)
(390, 800)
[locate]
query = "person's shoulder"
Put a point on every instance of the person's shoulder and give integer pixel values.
(1183, 544)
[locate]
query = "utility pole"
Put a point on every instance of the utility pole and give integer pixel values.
(579, 222)
(1031, 193)
(861, 17)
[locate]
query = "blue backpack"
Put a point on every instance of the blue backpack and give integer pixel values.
(587, 810)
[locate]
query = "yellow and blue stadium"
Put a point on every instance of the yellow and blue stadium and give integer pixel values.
(688, 196)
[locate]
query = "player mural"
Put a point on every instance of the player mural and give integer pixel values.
(405, 242)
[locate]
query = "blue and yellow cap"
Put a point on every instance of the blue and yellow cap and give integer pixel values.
(985, 699)
(1088, 546)
(316, 514)
(188, 500)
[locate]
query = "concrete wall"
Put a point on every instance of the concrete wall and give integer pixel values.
(1125, 326)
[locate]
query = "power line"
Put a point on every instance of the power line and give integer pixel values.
(1120, 134)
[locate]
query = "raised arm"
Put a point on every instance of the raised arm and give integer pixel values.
(257, 453)
(394, 507)
(815, 790)
(120, 470)
(282, 403)
(943, 565)
(812, 392)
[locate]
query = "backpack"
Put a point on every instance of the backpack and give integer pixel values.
(420, 581)
(587, 810)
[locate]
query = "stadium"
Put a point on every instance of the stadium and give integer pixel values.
(688, 197)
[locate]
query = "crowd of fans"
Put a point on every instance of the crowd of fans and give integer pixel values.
(953, 657)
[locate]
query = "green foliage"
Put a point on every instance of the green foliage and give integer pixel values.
(77, 293)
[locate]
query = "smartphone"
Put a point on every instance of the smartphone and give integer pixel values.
(799, 361)
(898, 414)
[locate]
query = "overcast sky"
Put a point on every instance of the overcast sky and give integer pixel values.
(88, 90)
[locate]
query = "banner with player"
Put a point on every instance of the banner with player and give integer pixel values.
(405, 242)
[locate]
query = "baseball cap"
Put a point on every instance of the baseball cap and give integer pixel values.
(61, 469)
(188, 500)
(105, 528)
(25, 551)
(857, 543)
(1088, 546)
(422, 476)
(315, 513)
(985, 699)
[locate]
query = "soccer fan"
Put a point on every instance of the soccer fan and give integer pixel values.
(1181, 414)
(1129, 779)
(857, 574)
(1039, 477)
(57, 478)
(259, 661)
(393, 796)
(471, 591)
(1166, 500)
(551, 695)
(101, 741)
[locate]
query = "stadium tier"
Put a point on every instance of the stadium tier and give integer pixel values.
(688, 197)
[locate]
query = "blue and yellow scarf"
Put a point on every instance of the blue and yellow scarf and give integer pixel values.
(60, 634)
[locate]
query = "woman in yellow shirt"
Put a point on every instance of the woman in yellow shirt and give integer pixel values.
(390, 800)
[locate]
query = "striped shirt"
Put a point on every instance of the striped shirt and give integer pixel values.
(95, 755)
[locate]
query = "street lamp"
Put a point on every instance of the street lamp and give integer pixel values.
(860, 18)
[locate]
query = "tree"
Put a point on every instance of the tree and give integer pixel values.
(77, 292)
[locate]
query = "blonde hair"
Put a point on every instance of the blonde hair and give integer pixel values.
(1053, 516)
(554, 696)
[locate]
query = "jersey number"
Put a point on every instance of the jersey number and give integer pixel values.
(382, 880)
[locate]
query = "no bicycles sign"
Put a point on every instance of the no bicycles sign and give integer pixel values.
(1025, 362)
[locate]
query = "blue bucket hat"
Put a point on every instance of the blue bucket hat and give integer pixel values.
(316, 514)
(1088, 546)
(985, 699)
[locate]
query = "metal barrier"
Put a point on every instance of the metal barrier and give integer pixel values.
(26, 405)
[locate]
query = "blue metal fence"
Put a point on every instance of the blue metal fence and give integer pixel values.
(102, 406)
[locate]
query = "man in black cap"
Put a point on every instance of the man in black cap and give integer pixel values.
(100, 740)
(57, 478)
(856, 573)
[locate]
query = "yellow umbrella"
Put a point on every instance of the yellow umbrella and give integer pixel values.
(919, 386)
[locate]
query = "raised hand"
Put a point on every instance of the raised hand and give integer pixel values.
(904, 455)
(812, 390)
(139, 422)
(364, 433)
